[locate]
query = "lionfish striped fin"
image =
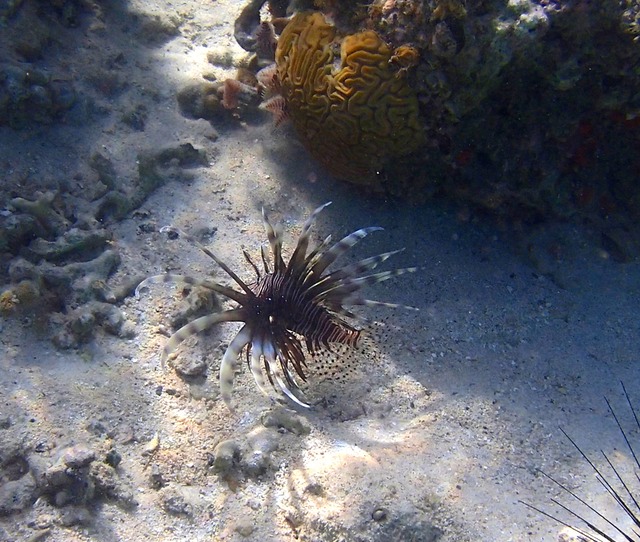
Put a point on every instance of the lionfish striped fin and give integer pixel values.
(314, 256)
(190, 281)
(273, 368)
(255, 353)
(196, 243)
(338, 307)
(253, 265)
(288, 392)
(275, 240)
(198, 325)
(348, 286)
(230, 363)
(269, 352)
(292, 354)
(339, 248)
(265, 260)
(300, 253)
(374, 303)
(355, 269)
(367, 264)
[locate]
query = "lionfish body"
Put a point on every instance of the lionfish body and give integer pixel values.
(293, 310)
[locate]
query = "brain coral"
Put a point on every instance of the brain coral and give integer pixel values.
(353, 112)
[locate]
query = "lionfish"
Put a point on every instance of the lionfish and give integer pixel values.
(294, 310)
(623, 490)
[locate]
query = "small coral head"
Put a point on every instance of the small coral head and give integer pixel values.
(353, 113)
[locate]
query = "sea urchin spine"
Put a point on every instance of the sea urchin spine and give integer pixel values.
(595, 524)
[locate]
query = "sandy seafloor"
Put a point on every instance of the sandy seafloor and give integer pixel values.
(518, 333)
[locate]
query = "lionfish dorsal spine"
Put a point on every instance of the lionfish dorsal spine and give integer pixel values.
(274, 234)
(247, 257)
(339, 248)
(296, 263)
(265, 260)
(356, 269)
(196, 243)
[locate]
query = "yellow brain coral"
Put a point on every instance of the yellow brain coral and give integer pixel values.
(353, 112)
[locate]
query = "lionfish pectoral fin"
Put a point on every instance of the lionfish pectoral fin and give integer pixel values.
(142, 285)
(230, 363)
(285, 389)
(255, 365)
(374, 303)
(198, 325)
(272, 367)
(364, 266)
(338, 277)
(383, 275)
(339, 248)
(349, 286)
(185, 280)
(164, 278)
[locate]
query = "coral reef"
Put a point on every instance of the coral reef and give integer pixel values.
(551, 83)
(32, 93)
(56, 77)
(528, 108)
(352, 118)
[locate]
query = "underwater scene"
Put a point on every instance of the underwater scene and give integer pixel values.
(320, 270)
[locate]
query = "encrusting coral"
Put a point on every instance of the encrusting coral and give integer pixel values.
(354, 112)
